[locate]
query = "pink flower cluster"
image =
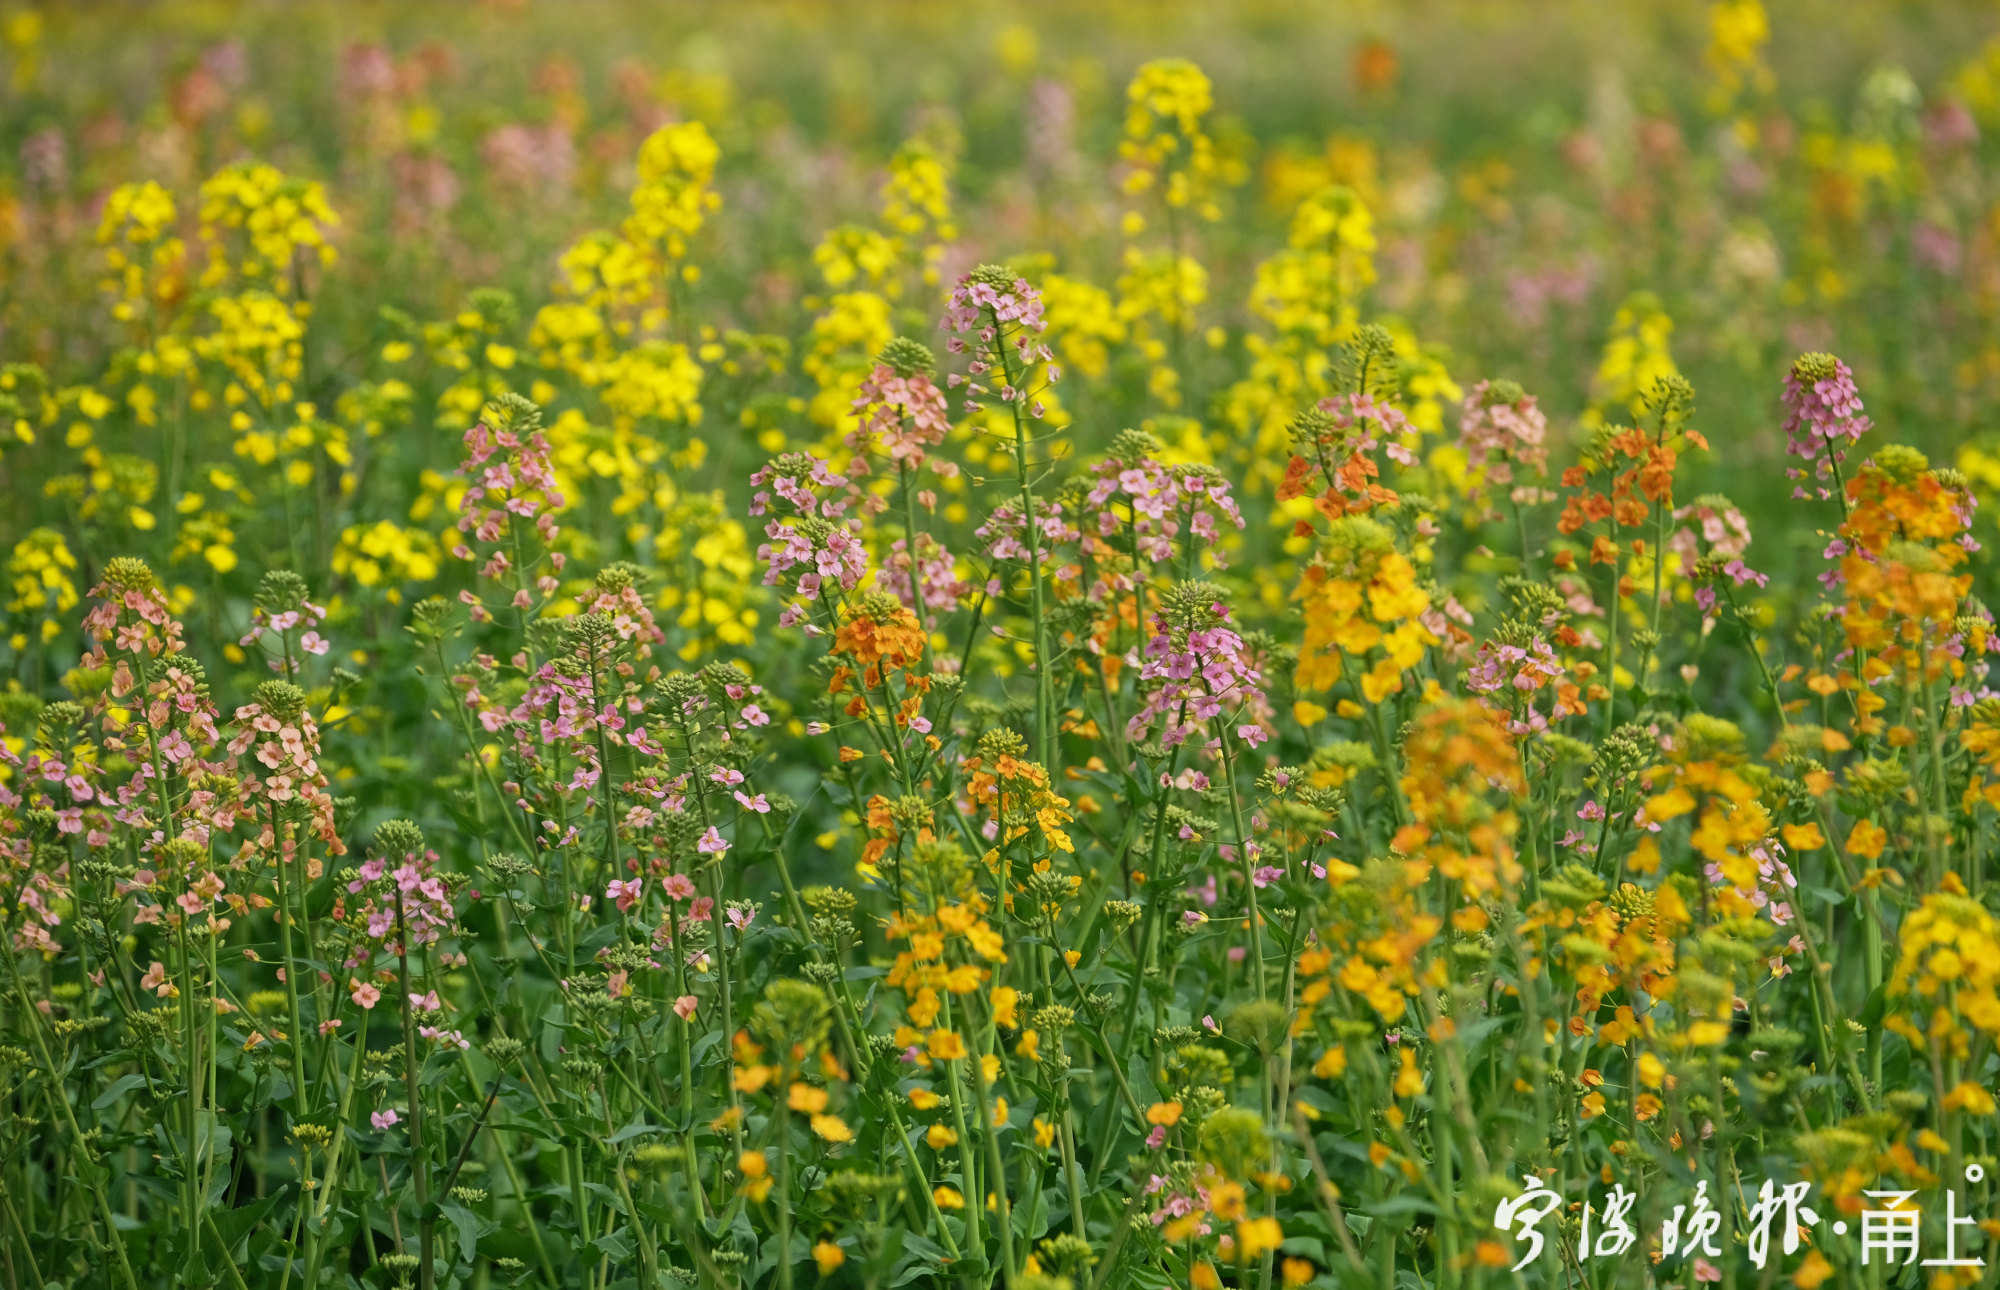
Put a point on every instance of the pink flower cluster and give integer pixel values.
(678, 888)
(813, 545)
(511, 479)
(520, 483)
(305, 617)
(791, 479)
(288, 750)
(425, 901)
(1353, 416)
(1721, 526)
(1823, 417)
(557, 712)
(1193, 683)
(935, 574)
(1499, 666)
(179, 726)
(1774, 877)
(131, 622)
(532, 160)
(632, 618)
(903, 415)
(54, 774)
(1739, 574)
(1004, 533)
(1020, 306)
(990, 316)
(177, 707)
(1503, 436)
(1175, 1203)
(1516, 673)
(1723, 530)
(1162, 500)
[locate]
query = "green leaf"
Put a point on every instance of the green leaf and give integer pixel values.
(119, 1088)
(467, 1224)
(553, 1022)
(606, 1197)
(235, 1224)
(1306, 1247)
(923, 1247)
(211, 1137)
(437, 1065)
(633, 1130)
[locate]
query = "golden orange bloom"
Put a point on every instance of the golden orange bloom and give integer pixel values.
(875, 634)
(832, 1129)
(1256, 1237)
(1813, 1271)
(755, 1172)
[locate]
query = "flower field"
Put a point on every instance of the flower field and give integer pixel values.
(1086, 647)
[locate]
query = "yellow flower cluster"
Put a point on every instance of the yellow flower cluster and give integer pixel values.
(1018, 792)
(1732, 820)
(258, 343)
(1308, 293)
(841, 351)
(916, 205)
(1738, 30)
(852, 253)
(1948, 969)
(435, 491)
(1311, 286)
(655, 380)
(477, 344)
(713, 598)
(1903, 575)
(274, 222)
(25, 402)
(1165, 143)
(1425, 385)
(1636, 357)
(1361, 601)
(202, 532)
(113, 487)
(386, 554)
(609, 337)
(1084, 324)
(674, 196)
(40, 577)
(606, 271)
(868, 270)
(1164, 290)
(146, 265)
(299, 445)
(241, 345)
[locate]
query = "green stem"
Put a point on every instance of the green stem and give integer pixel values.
(88, 1171)
(291, 968)
(1045, 717)
(419, 1162)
